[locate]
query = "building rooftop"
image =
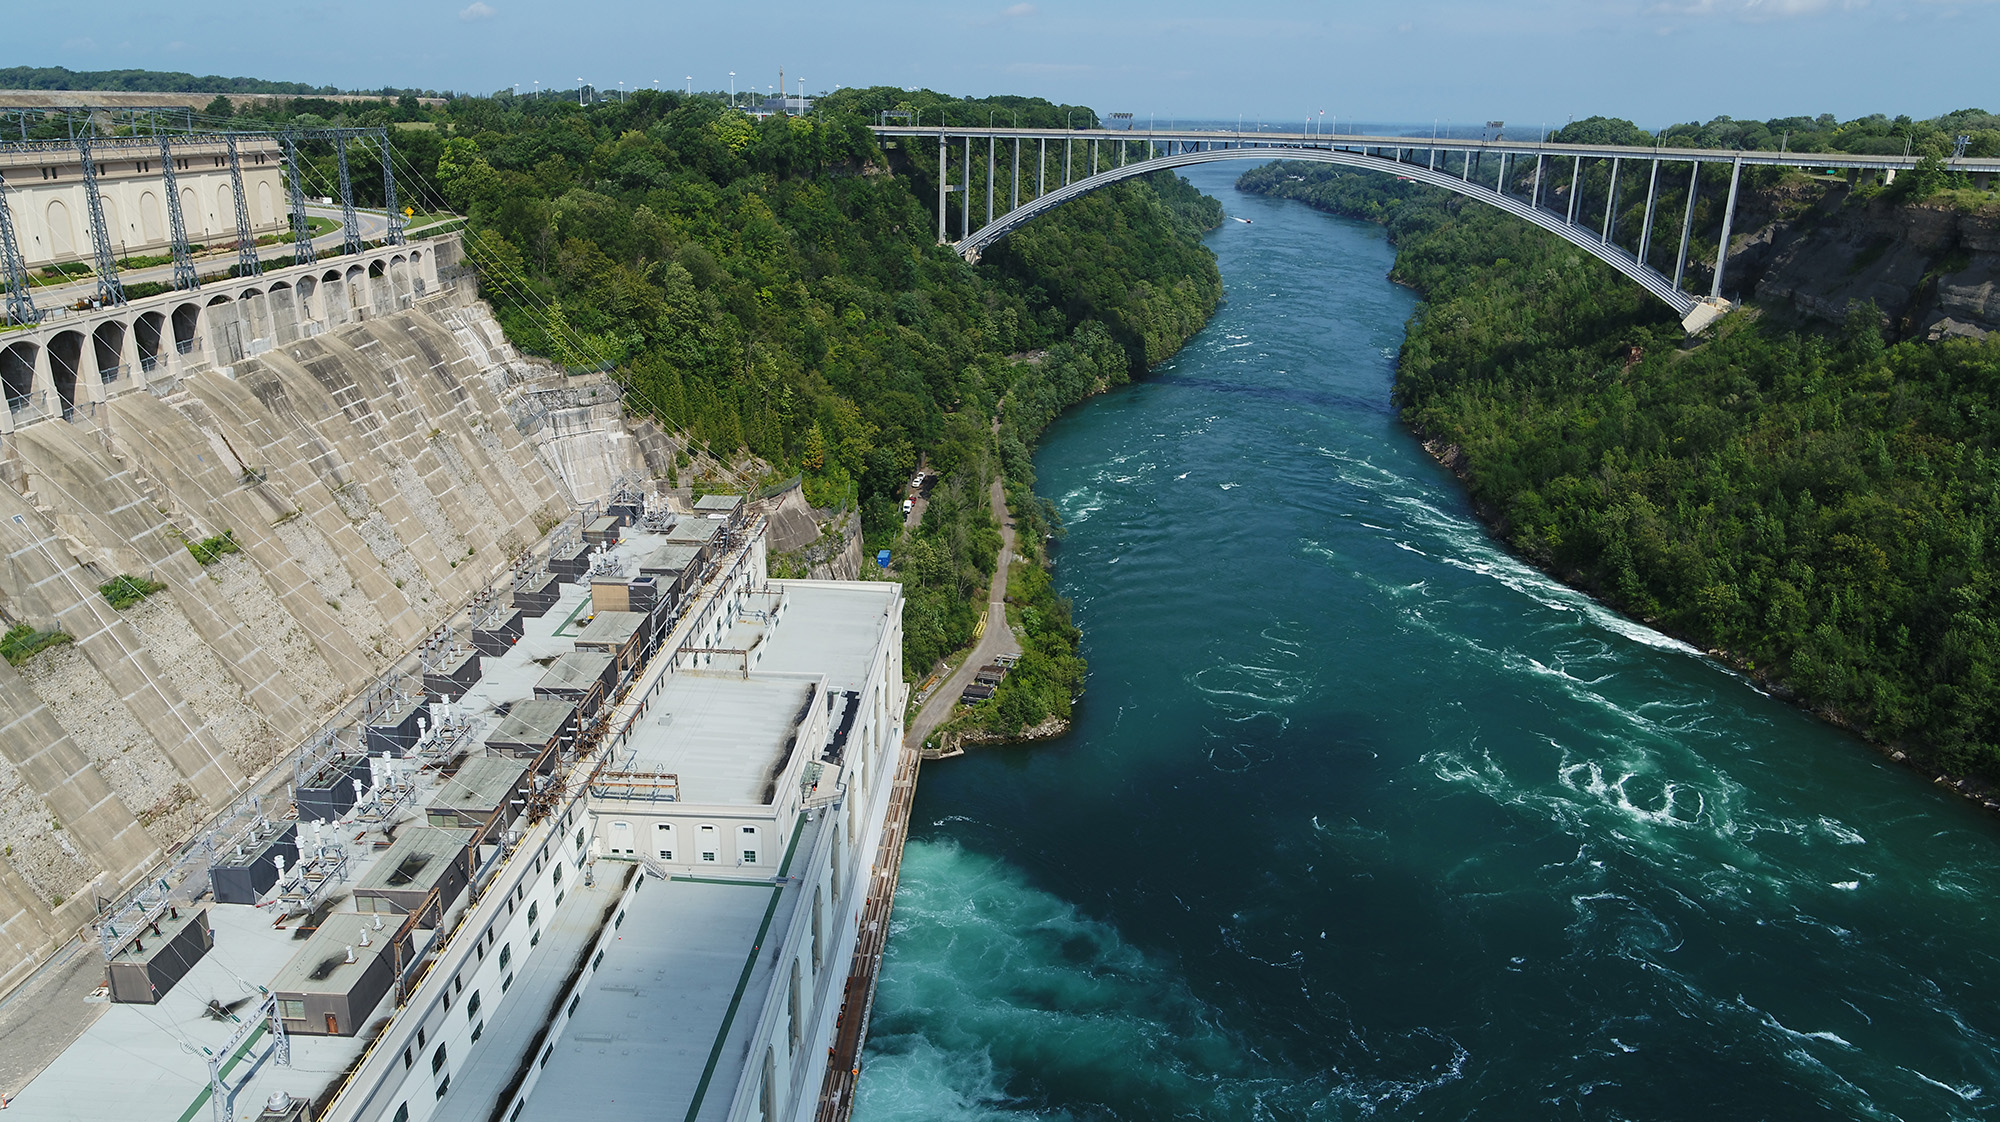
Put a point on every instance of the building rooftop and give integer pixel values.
(724, 503)
(726, 736)
(663, 1004)
(321, 964)
(532, 721)
(482, 783)
(417, 860)
(831, 628)
(615, 628)
(669, 557)
(578, 670)
(697, 530)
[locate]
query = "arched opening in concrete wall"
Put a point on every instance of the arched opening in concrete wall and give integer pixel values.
(417, 271)
(356, 280)
(333, 297)
(187, 328)
(62, 235)
(255, 312)
(266, 209)
(308, 288)
(108, 345)
(284, 312)
(191, 213)
(399, 279)
(378, 289)
(146, 331)
(224, 215)
(17, 373)
(225, 331)
(151, 224)
(65, 352)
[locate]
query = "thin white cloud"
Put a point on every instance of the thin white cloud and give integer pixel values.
(1753, 11)
(478, 9)
(1019, 10)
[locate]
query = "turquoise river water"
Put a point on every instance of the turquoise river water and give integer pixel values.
(1362, 818)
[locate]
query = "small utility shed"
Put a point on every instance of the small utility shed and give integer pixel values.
(423, 858)
(697, 531)
(676, 564)
(728, 505)
(160, 955)
(321, 992)
(531, 726)
(619, 634)
(482, 785)
(583, 678)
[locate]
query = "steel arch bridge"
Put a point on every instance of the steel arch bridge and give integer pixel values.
(1424, 160)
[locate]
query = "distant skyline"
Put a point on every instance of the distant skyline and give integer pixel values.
(1534, 62)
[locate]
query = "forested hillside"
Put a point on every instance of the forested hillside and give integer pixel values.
(1818, 507)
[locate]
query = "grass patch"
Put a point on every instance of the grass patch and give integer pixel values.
(210, 550)
(123, 591)
(24, 641)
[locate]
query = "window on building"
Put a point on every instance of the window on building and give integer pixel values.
(478, 1030)
(534, 910)
(293, 1010)
(663, 840)
(437, 1060)
(472, 1006)
(403, 1113)
(748, 843)
(708, 846)
(506, 954)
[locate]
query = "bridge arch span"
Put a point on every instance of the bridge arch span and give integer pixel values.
(1694, 311)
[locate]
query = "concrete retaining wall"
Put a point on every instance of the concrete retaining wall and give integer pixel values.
(373, 480)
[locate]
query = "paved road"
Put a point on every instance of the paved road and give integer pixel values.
(998, 640)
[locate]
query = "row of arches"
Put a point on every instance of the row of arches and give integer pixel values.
(135, 218)
(54, 371)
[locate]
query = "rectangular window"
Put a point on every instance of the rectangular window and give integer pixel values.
(749, 857)
(666, 855)
(477, 1030)
(573, 1003)
(443, 1086)
(546, 1054)
(598, 961)
(506, 981)
(295, 1010)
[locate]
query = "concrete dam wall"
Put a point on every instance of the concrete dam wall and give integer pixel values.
(372, 478)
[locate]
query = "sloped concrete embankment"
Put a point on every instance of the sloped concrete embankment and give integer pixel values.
(373, 480)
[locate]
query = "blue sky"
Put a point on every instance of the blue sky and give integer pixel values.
(1528, 61)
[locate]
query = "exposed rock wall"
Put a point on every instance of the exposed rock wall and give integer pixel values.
(1932, 268)
(372, 479)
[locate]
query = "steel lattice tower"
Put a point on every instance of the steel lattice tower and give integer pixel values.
(20, 306)
(108, 287)
(247, 264)
(184, 274)
(348, 221)
(390, 208)
(302, 242)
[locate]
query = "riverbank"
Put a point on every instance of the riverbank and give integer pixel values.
(1804, 506)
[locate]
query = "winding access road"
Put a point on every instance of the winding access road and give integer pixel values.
(998, 638)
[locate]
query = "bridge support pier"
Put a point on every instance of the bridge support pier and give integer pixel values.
(1687, 223)
(1610, 202)
(1575, 181)
(1728, 219)
(1652, 194)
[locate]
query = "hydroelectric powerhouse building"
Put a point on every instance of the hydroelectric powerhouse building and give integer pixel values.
(628, 889)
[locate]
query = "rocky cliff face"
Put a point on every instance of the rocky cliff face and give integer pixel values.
(1931, 267)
